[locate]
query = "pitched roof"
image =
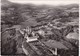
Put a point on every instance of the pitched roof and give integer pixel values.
(73, 35)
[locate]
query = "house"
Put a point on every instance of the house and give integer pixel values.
(41, 32)
(73, 35)
(49, 24)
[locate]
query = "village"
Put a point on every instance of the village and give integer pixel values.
(48, 37)
(39, 30)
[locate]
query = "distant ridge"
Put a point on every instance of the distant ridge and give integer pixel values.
(5, 3)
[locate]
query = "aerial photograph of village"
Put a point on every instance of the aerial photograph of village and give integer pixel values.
(39, 28)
